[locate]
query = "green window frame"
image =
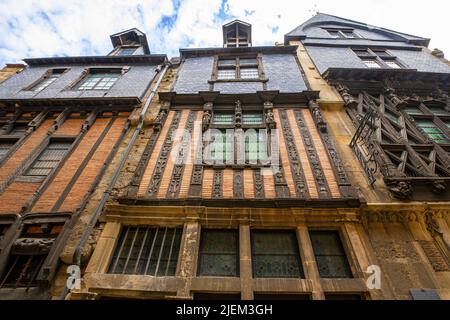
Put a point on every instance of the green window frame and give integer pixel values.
(430, 128)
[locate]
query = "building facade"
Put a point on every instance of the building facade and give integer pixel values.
(318, 169)
(63, 121)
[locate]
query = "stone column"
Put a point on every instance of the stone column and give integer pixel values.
(188, 257)
(309, 262)
(245, 263)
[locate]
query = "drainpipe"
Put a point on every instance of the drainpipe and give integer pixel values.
(88, 230)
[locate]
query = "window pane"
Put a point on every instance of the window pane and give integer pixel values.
(218, 253)
(334, 33)
(45, 82)
(146, 251)
(227, 62)
(381, 53)
(330, 255)
(98, 81)
(49, 159)
(372, 64)
(223, 118)
(362, 52)
(275, 254)
(252, 118)
(349, 34)
(393, 64)
(438, 111)
(432, 131)
(226, 74)
(249, 73)
(248, 61)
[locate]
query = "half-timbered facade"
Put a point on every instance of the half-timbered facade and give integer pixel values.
(385, 97)
(62, 121)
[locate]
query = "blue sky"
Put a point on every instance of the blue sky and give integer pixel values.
(42, 28)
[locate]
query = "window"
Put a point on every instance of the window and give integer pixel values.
(330, 255)
(219, 252)
(223, 118)
(5, 146)
(49, 159)
(275, 255)
(126, 51)
(99, 79)
(26, 260)
(439, 111)
(222, 146)
(412, 110)
(342, 33)
(430, 128)
(255, 148)
(371, 63)
(48, 79)
(237, 68)
(146, 251)
(393, 64)
(252, 118)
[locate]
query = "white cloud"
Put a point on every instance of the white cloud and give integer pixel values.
(80, 27)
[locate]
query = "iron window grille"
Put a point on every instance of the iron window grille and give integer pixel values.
(275, 254)
(99, 79)
(238, 68)
(219, 253)
(146, 251)
(49, 159)
(330, 255)
(28, 255)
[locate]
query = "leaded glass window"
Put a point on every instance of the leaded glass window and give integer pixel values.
(412, 110)
(330, 255)
(99, 80)
(275, 254)
(219, 253)
(222, 147)
(254, 148)
(126, 51)
(48, 79)
(252, 118)
(393, 64)
(371, 63)
(146, 251)
(430, 128)
(231, 68)
(223, 118)
(49, 159)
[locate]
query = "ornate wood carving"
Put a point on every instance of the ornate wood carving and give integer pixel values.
(348, 98)
(258, 184)
(319, 175)
(238, 114)
(160, 119)
(163, 157)
(269, 116)
(317, 116)
(296, 167)
(177, 174)
(195, 188)
(217, 184)
(238, 184)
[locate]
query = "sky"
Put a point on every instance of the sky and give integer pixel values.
(45, 28)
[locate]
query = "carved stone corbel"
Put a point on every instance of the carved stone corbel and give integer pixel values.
(32, 246)
(431, 223)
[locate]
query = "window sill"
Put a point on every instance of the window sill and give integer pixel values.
(237, 80)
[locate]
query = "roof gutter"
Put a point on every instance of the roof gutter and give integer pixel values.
(99, 209)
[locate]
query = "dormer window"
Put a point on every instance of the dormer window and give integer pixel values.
(47, 80)
(342, 33)
(126, 51)
(99, 79)
(237, 34)
(237, 68)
